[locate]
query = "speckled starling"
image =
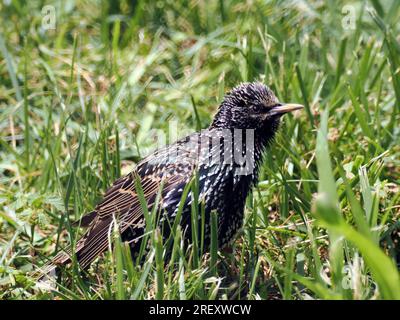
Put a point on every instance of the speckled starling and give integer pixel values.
(225, 159)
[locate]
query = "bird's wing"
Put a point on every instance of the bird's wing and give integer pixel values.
(173, 168)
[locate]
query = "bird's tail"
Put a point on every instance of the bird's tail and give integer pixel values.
(50, 270)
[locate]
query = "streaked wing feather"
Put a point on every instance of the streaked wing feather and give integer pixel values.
(121, 200)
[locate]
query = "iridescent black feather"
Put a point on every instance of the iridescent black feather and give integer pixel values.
(223, 187)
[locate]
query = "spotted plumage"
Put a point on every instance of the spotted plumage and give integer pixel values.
(225, 158)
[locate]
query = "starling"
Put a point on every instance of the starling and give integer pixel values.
(225, 159)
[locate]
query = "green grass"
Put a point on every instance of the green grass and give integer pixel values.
(81, 105)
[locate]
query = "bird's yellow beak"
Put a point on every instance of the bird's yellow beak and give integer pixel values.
(286, 107)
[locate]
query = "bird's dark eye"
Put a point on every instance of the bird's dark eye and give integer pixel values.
(257, 108)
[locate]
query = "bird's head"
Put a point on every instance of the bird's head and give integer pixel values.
(251, 106)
